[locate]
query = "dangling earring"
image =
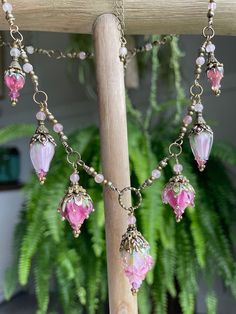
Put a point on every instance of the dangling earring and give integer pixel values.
(77, 205)
(14, 77)
(134, 248)
(42, 147)
(178, 192)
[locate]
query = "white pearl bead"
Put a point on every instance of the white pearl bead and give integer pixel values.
(27, 67)
(123, 51)
(15, 52)
(7, 7)
(30, 49)
(82, 55)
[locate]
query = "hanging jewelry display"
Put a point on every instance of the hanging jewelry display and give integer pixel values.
(76, 205)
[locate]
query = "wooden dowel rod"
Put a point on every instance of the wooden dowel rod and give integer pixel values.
(141, 16)
(115, 158)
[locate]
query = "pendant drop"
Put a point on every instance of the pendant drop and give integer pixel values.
(134, 251)
(42, 148)
(76, 206)
(201, 140)
(178, 193)
(14, 79)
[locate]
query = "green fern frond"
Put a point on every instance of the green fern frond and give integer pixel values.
(10, 282)
(15, 131)
(211, 303)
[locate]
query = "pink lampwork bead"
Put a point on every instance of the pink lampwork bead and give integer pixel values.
(41, 116)
(215, 75)
(156, 173)
(74, 178)
(135, 256)
(179, 194)
(187, 120)
(99, 178)
(15, 81)
(58, 128)
(75, 207)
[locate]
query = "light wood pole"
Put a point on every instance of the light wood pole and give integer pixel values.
(115, 158)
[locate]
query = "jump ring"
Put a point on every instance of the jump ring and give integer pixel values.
(39, 94)
(136, 191)
(198, 90)
(209, 30)
(178, 146)
(73, 157)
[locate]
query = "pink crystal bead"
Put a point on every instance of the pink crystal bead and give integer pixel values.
(187, 120)
(82, 55)
(74, 178)
(27, 67)
(14, 81)
(99, 178)
(200, 60)
(210, 48)
(41, 156)
(201, 145)
(215, 75)
(75, 210)
(179, 194)
(131, 220)
(7, 7)
(212, 6)
(136, 265)
(178, 168)
(41, 116)
(58, 127)
(156, 173)
(198, 107)
(15, 52)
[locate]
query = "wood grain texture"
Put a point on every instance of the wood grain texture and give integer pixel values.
(142, 16)
(115, 157)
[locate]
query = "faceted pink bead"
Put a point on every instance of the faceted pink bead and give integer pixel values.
(198, 107)
(74, 178)
(178, 199)
(40, 116)
(99, 178)
(200, 60)
(215, 76)
(58, 128)
(187, 120)
(77, 209)
(14, 81)
(201, 145)
(41, 156)
(131, 220)
(178, 168)
(156, 173)
(136, 265)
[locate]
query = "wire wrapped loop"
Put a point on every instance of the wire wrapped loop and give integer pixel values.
(138, 194)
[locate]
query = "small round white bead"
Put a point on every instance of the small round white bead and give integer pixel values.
(99, 178)
(30, 49)
(123, 51)
(58, 127)
(178, 168)
(74, 178)
(200, 60)
(7, 7)
(210, 48)
(131, 220)
(82, 55)
(156, 173)
(15, 52)
(212, 6)
(198, 107)
(148, 46)
(27, 67)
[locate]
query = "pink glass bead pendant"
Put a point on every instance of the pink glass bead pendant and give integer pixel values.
(134, 251)
(215, 73)
(178, 193)
(201, 140)
(42, 149)
(14, 79)
(76, 206)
